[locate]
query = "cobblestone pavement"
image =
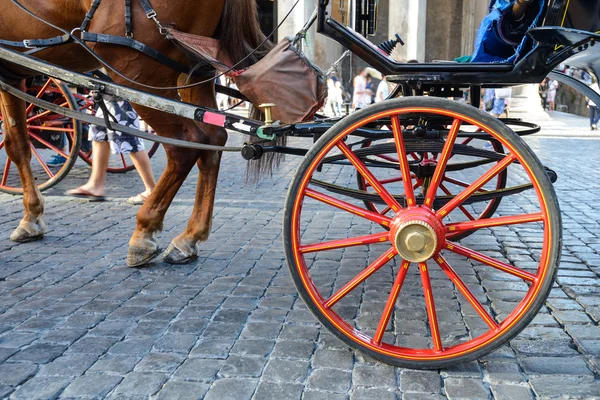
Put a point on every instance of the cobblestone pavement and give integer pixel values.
(76, 323)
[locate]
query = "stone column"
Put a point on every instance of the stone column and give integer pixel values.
(409, 19)
(526, 104)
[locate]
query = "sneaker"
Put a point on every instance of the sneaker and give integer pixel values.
(56, 161)
(594, 127)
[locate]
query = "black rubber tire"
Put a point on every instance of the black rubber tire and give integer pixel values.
(538, 171)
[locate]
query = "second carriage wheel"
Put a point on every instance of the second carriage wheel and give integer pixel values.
(452, 180)
(397, 286)
(52, 136)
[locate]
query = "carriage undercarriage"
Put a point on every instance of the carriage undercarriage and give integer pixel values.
(418, 183)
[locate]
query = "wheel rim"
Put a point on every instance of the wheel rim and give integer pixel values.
(42, 127)
(375, 339)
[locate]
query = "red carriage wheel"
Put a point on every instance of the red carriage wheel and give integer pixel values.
(397, 286)
(52, 136)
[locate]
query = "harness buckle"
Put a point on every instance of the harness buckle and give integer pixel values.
(151, 14)
(27, 44)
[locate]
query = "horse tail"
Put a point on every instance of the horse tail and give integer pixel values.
(241, 34)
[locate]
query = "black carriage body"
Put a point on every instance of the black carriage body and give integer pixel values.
(583, 15)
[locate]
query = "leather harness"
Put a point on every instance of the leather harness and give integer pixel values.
(40, 44)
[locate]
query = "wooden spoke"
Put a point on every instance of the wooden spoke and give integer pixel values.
(460, 285)
(369, 177)
(50, 128)
(491, 222)
(38, 95)
(358, 279)
(485, 178)
(403, 160)
(440, 169)
(461, 183)
(391, 302)
(489, 261)
(43, 114)
(462, 208)
(343, 243)
(48, 145)
(41, 161)
(342, 205)
(430, 304)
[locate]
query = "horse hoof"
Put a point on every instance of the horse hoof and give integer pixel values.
(28, 232)
(140, 256)
(174, 255)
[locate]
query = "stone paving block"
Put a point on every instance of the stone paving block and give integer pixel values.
(160, 362)
(15, 373)
(373, 376)
(261, 330)
(91, 385)
(198, 369)
(231, 389)
(177, 343)
(245, 367)
(498, 372)
(421, 396)
(174, 390)
(293, 350)
(286, 371)
(115, 364)
(140, 383)
(212, 348)
(555, 365)
(465, 388)
(553, 386)
(420, 381)
(510, 392)
(328, 379)
(277, 391)
(62, 336)
(39, 353)
(543, 348)
(309, 394)
(132, 347)
(372, 393)
(68, 365)
(17, 339)
(192, 326)
(340, 359)
(41, 388)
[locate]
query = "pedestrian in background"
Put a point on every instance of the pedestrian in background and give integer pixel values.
(594, 109)
(383, 90)
(552, 88)
(362, 96)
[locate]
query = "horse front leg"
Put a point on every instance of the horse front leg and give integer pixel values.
(184, 247)
(18, 149)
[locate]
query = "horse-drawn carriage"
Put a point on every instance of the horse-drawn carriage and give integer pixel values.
(400, 222)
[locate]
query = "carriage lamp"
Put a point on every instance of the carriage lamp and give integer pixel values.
(266, 107)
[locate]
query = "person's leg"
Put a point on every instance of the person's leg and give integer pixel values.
(592, 116)
(144, 168)
(597, 117)
(95, 185)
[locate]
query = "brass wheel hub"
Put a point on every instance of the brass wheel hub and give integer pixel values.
(416, 241)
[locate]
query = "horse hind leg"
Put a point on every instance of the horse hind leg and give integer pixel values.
(18, 149)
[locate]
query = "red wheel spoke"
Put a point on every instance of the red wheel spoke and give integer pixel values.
(486, 260)
(491, 222)
(391, 302)
(460, 285)
(468, 140)
(403, 160)
(123, 160)
(39, 95)
(415, 156)
(485, 178)
(386, 181)
(48, 145)
(342, 243)
(42, 163)
(433, 323)
(418, 184)
(460, 183)
(50, 128)
(47, 112)
(342, 205)
(362, 169)
(358, 279)
(464, 210)
(6, 170)
(387, 158)
(440, 169)
(1, 145)
(386, 210)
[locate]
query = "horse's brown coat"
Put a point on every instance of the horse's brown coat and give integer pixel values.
(233, 21)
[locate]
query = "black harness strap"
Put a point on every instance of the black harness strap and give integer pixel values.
(150, 13)
(30, 43)
(128, 28)
(89, 15)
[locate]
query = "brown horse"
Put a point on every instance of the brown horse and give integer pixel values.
(234, 22)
